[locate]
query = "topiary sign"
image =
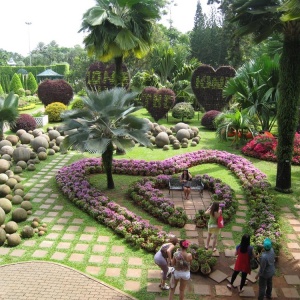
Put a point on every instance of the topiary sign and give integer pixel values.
(157, 102)
(101, 77)
(208, 84)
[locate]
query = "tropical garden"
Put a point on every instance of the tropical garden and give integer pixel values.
(129, 135)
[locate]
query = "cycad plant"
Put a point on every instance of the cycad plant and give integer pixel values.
(105, 122)
(8, 111)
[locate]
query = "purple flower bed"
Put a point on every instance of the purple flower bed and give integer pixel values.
(74, 184)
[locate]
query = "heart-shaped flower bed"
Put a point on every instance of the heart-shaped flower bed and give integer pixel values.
(208, 84)
(157, 102)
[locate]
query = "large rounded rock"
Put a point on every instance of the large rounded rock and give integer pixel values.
(182, 133)
(59, 140)
(6, 205)
(2, 236)
(4, 165)
(5, 143)
(39, 141)
(3, 178)
(42, 156)
(26, 138)
(13, 139)
(13, 240)
(181, 125)
(16, 199)
(27, 232)
(11, 227)
(26, 205)
(20, 132)
(19, 215)
(53, 134)
(7, 150)
(21, 153)
(22, 164)
(2, 216)
(6, 157)
(4, 190)
(162, 139)
(11, 182)
(37, 132)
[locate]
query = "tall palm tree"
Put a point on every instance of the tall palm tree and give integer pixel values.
(8, 111)
(119, 27)
(105, 121)
(262, 18)
(255, 86)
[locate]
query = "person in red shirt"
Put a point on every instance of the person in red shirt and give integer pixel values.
(244, 253)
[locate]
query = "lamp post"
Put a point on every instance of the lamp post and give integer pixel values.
(29, 23)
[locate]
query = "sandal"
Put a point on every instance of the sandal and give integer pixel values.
(229, 286)
(164, 287)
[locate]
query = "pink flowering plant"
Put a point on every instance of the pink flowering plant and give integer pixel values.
(73, 182)
(264, 147)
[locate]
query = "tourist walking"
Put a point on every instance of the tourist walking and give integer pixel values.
(185, 179)
(163, 258)
(214, 212)
(181, 261)
(266, 270)
(244, 253)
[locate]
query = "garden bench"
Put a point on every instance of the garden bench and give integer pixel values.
(176, 185)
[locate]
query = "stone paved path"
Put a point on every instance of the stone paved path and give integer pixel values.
(91, 249)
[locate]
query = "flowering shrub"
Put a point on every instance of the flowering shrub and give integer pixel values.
(264, 147)
(74, 184)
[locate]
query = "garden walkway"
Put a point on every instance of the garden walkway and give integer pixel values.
(41, 280)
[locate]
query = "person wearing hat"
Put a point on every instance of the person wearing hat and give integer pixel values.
(266, 271)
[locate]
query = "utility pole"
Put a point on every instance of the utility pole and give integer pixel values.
(29, 23)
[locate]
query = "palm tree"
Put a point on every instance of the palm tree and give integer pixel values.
(262, 18)
(117, 28)
(8, 111)
(105, 121)
(255, 86)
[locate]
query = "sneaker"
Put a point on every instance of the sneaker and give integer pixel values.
(171, 270)
(164, 287)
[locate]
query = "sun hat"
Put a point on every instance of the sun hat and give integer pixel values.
(267, 244)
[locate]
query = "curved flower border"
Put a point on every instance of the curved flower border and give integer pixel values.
(74, 184)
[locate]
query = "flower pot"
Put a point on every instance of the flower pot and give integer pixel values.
(41, 121)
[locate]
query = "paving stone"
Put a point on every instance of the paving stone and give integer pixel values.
(77, 221)
(50, 201)
(52, 214)
(153, 287)
(217, 276)
(57, 227)
(117, 249)
(294, 222)
(290, 293)
(239, 196)
(292, 279)
(291, 236)
(248, 292)
(63, 245)
(251, 277)
(151, 274)
(17, 253)
(229, 252)
(96, 259)
(48, 220)
(81, 247)
(243, 207)
(62, 221)
(202, 289)
(135, 261)
(99, 248)
(115, 260)
(240, 214)
(92, 270)
(222, 290)
(113, 272)
(191, 234)
(90, 229)
(86, 237)
(286, 209)
(37, 200)
(42, 195)
(29, 243)
(237, 228)
(47, 190)
(39, 212)
(39, 253)
(225, 234)
(103, 239)
(133, 286)
(58, 207)
(296, 255)
(190, 227)
(68, 236)
(67, 214)
(240, 221)
(76, 257)
(296, 228)
(46, 244)
(52, 236)
(293, 246)
(228, 243)
(134, 273)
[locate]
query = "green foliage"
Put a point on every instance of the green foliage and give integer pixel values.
(24, 121)
(21, 92)
(31, 83)
(15, 84)
(77, 103)
(1, 90)
(54, 111)
(183, 110)
(209, 118)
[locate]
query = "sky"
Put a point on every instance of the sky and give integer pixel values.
(60, 20)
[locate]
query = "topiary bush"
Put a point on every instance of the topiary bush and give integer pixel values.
(57, 90)
(15, 84)
(183, 110)
(32, 85)
(77, 104)
(24, 121)
(54, 111)
(208, 119)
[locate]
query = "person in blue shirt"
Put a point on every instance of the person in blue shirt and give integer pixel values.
(266, 271)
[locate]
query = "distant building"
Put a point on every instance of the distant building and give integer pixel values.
(11, 62)
(49, 74)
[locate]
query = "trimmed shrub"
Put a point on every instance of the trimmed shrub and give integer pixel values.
(24, 121)
(15, 84)
(208, 119)
(183, 111)
(54, 111)
(58, 90)
(77, 104)
(31, 83)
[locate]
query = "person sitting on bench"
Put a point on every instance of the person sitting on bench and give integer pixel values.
(185, 179)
